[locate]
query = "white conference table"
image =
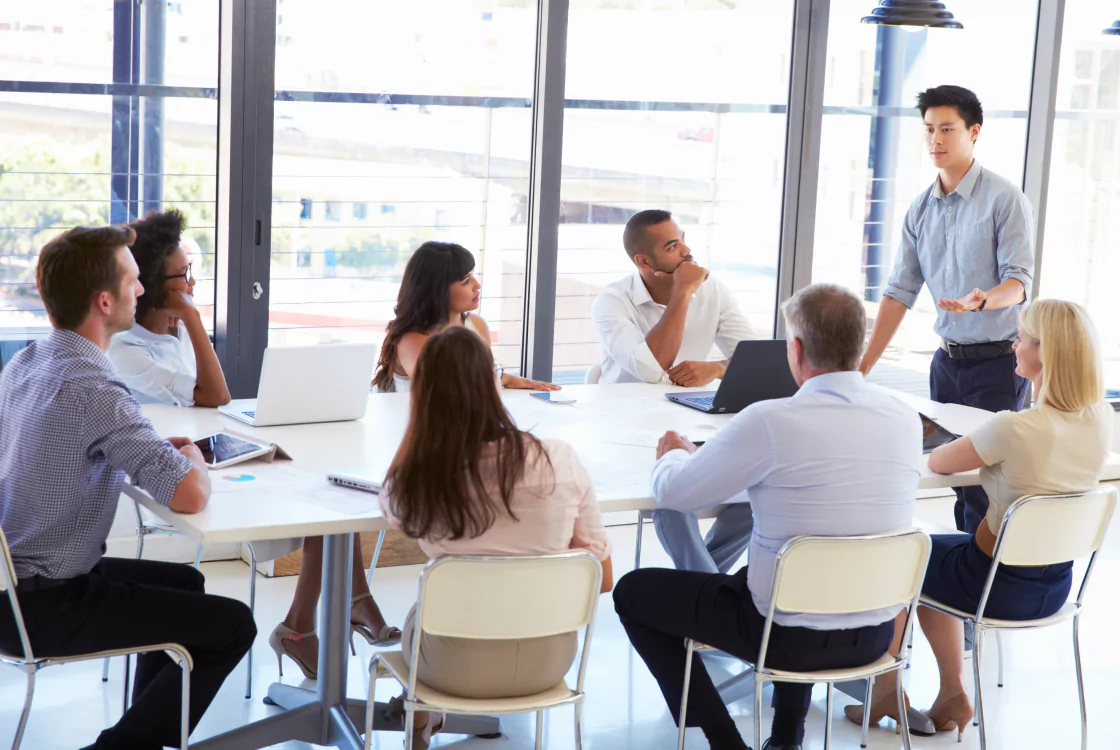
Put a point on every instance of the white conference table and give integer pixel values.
(613, 427)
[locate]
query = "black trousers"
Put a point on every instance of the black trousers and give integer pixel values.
(989, 384)
(660, 608)
(125, 603)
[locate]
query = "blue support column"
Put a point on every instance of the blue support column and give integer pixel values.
(125, 149)
(155, 40)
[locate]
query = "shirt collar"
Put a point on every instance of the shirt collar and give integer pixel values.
(837, 382)
(64, 340)
(968, 183)
(639, 295)
(143, 334)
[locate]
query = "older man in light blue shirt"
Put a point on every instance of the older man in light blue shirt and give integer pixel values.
(840, 457)
(969, 237)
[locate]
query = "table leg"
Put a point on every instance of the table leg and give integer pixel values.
(325, 716)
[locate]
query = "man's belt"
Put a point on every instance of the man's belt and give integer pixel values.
(40, 583)
(988, 350)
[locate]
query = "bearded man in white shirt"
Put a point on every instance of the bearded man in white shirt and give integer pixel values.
(664, 320)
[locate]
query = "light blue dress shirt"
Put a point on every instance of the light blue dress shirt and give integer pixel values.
(841, 457)
(978, 236)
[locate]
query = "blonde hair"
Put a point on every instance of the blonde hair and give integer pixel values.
(1072, 367)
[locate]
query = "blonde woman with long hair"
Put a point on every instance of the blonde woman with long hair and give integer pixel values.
(1059, 446)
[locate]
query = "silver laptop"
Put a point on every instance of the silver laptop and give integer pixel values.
(356, 480)
(306, 384)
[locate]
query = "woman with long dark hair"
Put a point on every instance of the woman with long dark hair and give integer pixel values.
(438, 290)
(467, 481)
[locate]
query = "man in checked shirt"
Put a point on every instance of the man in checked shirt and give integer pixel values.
(70, 431)
(969, 237)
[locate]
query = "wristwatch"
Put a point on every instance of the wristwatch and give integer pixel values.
(983, 304)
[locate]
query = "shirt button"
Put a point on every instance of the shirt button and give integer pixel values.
(950, 208)
(954, 323)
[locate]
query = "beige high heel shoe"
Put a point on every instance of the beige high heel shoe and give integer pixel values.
(283, 635)
(956, 713)
(886, 707)
(387, 636)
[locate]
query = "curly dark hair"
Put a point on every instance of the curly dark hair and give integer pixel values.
(157, 236)
(423, 302)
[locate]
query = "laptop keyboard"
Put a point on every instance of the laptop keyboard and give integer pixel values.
(704, 402)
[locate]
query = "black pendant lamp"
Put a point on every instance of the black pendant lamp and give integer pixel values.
(1113, 30)
(914, 13)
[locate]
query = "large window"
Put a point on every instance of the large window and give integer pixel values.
(680, 106)
(873, 163)
(1082, 241)
(386, 139)
(79, 145)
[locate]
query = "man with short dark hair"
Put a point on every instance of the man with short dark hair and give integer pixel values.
(70, 431)
(970, 238)
(664, 320)
(841, 457)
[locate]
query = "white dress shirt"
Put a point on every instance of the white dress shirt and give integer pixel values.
(159, 368)
(624, 314)
(841, 457)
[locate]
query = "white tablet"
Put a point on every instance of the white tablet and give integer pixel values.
(221, 450)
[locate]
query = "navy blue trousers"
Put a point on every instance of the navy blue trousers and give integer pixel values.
(989, 384)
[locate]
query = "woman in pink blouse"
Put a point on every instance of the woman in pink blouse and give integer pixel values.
(467, 481)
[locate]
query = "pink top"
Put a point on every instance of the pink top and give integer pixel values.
(567, 518)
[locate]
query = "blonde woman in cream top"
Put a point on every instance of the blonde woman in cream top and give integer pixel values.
(1060, 446)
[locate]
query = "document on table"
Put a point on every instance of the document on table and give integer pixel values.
(305, 486)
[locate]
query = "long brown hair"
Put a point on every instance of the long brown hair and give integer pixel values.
(424, 300)
(438, 485)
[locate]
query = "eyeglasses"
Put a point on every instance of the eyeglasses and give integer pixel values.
(187, 276)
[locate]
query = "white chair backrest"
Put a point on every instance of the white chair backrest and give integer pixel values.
(8, 592)
(1051, 529)
(509, 597)
(841, 575)
(593, 375)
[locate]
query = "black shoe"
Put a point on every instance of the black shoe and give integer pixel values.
(770, 746)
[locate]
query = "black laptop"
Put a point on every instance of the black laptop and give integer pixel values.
(934, 435)
(758, 372)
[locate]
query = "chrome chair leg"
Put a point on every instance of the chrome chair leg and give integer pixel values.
(1080, 681)
(579, 730)
(903, 716)
(540, 730)
(977, 653)
(376, 555)
(184, 708)
(253, 611)
(757, 711)
(999, 656)
(828, 718)
(198, 557)
(105, 670)
(127, 675)
(866, 712)
(30, 694)
(689, 651)
(409, 725)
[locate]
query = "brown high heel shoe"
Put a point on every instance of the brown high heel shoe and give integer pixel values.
(956, 713)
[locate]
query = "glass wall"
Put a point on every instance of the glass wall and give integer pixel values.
(873, 161)
(1082, 240)
(679, 106)
(79, 145)
(385, 141)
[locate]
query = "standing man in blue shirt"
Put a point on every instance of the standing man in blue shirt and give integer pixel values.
(970, 238)
(70, 431)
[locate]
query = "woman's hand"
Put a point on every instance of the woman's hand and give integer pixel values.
(512, 381)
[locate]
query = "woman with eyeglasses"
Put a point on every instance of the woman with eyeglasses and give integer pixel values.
(167, 356)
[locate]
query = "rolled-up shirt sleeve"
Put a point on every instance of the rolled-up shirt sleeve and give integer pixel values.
(623, 339)
(907, 279)
(1014, 219)
(733, 324)
(141, 373)
(116, 430)
(735, 459)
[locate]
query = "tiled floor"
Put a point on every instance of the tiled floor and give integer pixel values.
(1036, 709)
